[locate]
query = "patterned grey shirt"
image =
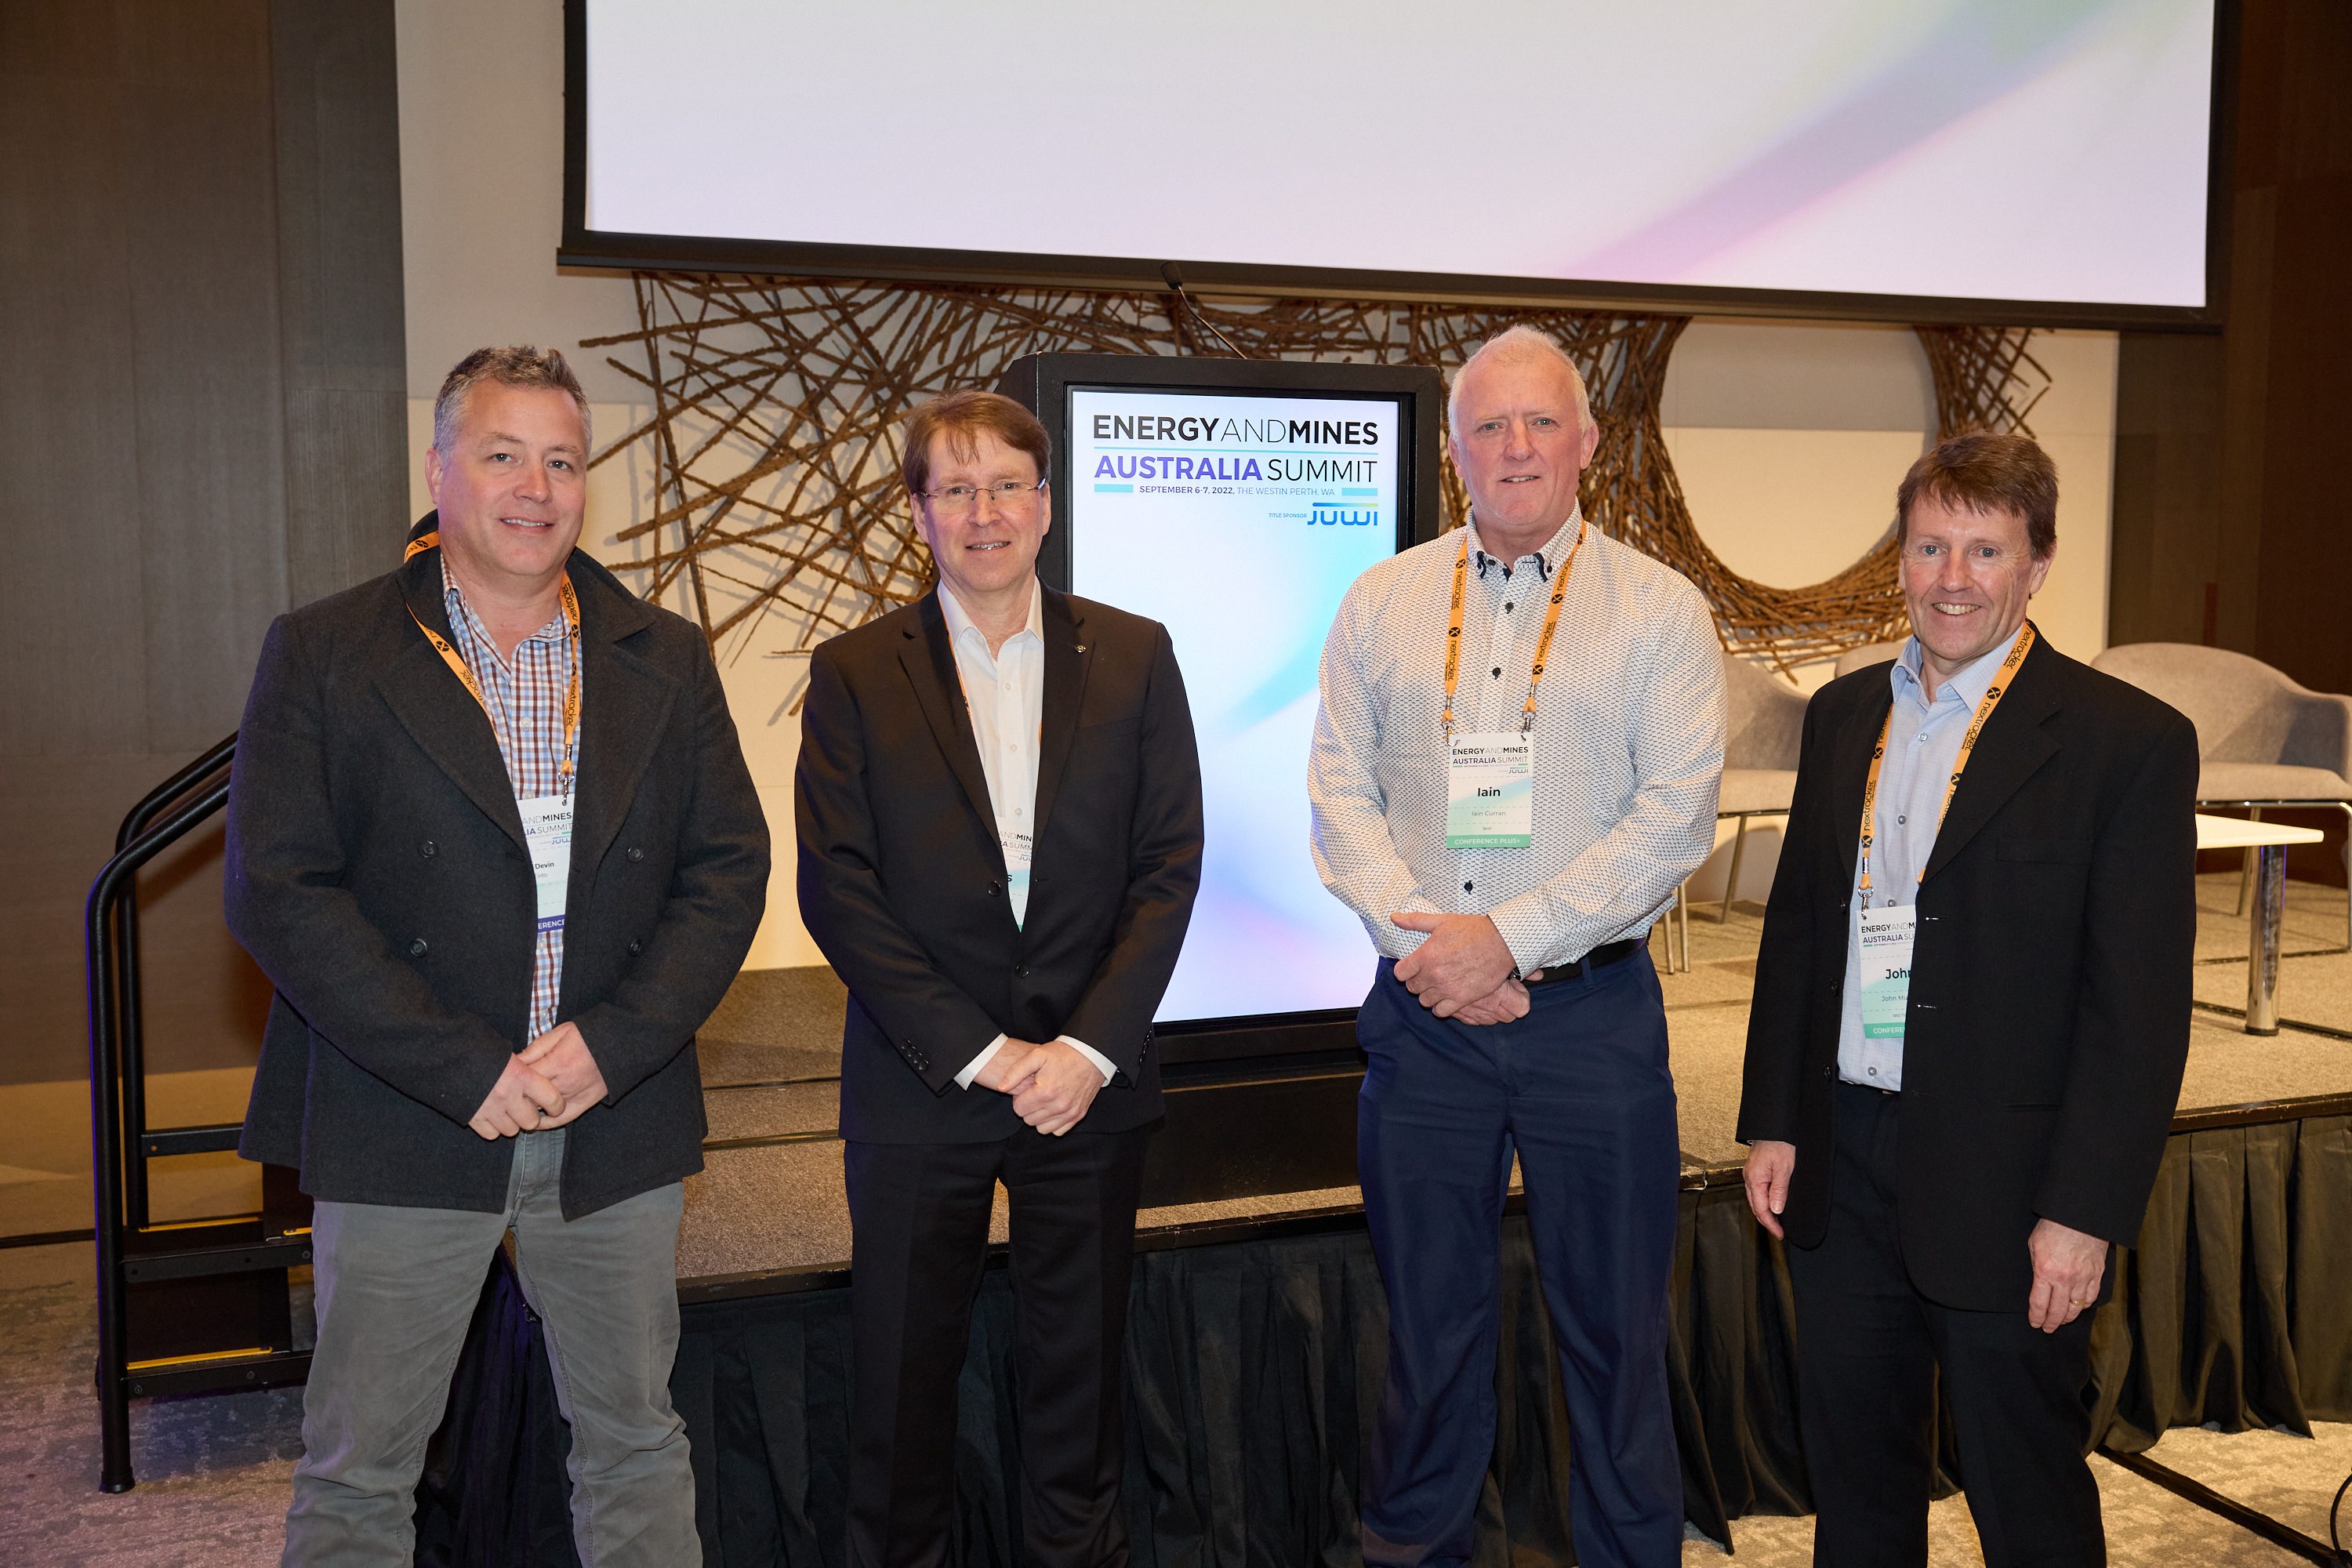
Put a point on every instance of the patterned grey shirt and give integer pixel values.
(1629, 744)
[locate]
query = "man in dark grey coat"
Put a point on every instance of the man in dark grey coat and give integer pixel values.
(492, 838)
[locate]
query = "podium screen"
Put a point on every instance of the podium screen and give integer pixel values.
(1238, 521)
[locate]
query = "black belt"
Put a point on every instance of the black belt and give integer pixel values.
(1600, 957)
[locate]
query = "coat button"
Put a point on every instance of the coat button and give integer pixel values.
(417, 948)
(995, 888)
(1021, 971)
(636, 854)
(427, 849)
(636, 948)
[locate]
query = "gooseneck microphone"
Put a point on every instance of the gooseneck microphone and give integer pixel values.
(1174, 277)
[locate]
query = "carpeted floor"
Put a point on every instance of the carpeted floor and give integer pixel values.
(215, 1470)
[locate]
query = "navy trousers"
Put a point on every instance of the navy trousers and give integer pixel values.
(1579, 1091)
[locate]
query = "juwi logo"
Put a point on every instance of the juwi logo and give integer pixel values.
(1344, 514)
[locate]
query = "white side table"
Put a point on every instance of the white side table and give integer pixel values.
(2269, 841)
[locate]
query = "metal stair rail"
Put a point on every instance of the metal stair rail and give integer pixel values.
(194, 1294)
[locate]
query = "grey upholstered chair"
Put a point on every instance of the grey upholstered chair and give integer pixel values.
(2263, 739)
(1766, 728)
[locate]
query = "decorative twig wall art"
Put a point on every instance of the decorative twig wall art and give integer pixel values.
(778, 517)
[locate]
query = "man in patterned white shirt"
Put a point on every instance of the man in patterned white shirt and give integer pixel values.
(1515, 765)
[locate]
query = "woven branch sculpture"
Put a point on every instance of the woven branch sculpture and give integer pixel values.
(773, 434)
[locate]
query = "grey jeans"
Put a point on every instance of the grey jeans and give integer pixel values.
(397, 1288)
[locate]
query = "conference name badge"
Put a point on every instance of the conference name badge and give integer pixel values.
(1017, 856)
(1887, 971)
(547, 832)
(1490, 789)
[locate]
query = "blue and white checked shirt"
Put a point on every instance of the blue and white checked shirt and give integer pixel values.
(1923, 742)
(525, 701)
(1629, 744)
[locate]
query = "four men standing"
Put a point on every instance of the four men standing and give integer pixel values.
(492, 837)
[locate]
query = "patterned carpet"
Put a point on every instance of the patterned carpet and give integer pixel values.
(214, 1470)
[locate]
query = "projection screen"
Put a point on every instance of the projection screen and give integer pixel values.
(1985, 150)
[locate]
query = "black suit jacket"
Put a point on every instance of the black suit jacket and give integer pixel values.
(2050, 985)
(376, 871)
(902, 881)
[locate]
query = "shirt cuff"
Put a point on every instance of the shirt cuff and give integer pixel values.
(1103, 1064)
(1526, 932)
(971, 1070)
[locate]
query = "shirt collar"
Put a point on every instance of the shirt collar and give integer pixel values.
(463, 618)
(1968, 687)
(959, 623)
(1546, 557)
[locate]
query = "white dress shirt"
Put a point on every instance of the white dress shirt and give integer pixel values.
(1923, 741)
(1629, 743)
(1004, 692)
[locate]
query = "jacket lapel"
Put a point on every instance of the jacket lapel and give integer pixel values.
(929, 662)
(2015, 743)
(624, 706)
(439, 714)
(1067, 660)
(1851, 771)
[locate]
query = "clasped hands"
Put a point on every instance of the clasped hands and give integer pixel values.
(1463, 972)
(1050, 1084)
(548, 1084)
(2068, 1264)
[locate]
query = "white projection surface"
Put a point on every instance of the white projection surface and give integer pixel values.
(1238, 521)
(2045, 150)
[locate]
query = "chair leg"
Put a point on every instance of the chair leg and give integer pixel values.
(1683, 917)
(2346, 807)
(1731, 887)
(2246, 863)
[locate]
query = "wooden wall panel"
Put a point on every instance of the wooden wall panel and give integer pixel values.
(339, 272)
(68, 417)
(200, 213)
(203, 422)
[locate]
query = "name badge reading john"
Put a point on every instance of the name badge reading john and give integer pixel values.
(1885, 970)
(546, 830)
(1490, 789)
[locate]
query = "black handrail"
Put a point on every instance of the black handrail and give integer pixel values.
(132, 1014)
(111, 981)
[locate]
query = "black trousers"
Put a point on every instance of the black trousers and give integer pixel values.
(1869, 1350)
(919, 1213)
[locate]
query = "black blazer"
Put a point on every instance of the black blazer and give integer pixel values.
(376, 872)
(2050, 987)
(902, 881)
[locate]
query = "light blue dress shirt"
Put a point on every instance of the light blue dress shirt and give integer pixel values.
(1923, 742)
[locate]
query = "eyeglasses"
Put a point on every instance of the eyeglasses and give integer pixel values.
(958, 500)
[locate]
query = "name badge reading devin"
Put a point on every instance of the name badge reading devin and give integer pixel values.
(546, 830)
(1887, 971)
(1490, 789)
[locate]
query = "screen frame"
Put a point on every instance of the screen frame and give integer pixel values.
(1043, 384)
(604, 250)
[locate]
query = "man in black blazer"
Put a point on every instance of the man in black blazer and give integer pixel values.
(1972, 1016)
(491, 837)
(999, 808)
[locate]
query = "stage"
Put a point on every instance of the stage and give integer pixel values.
(1258, 1324)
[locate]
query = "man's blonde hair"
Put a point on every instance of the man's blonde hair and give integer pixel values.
(1515, 342)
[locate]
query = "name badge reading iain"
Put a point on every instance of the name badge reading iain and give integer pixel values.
(1490, 789)
(1887, 971)
(546, 830)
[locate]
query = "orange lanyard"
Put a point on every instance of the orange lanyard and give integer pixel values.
(1543, 639)
(459, 668)
(1993, 694)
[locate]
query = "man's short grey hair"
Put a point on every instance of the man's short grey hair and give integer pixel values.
(518, 365)
(1521, 341)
